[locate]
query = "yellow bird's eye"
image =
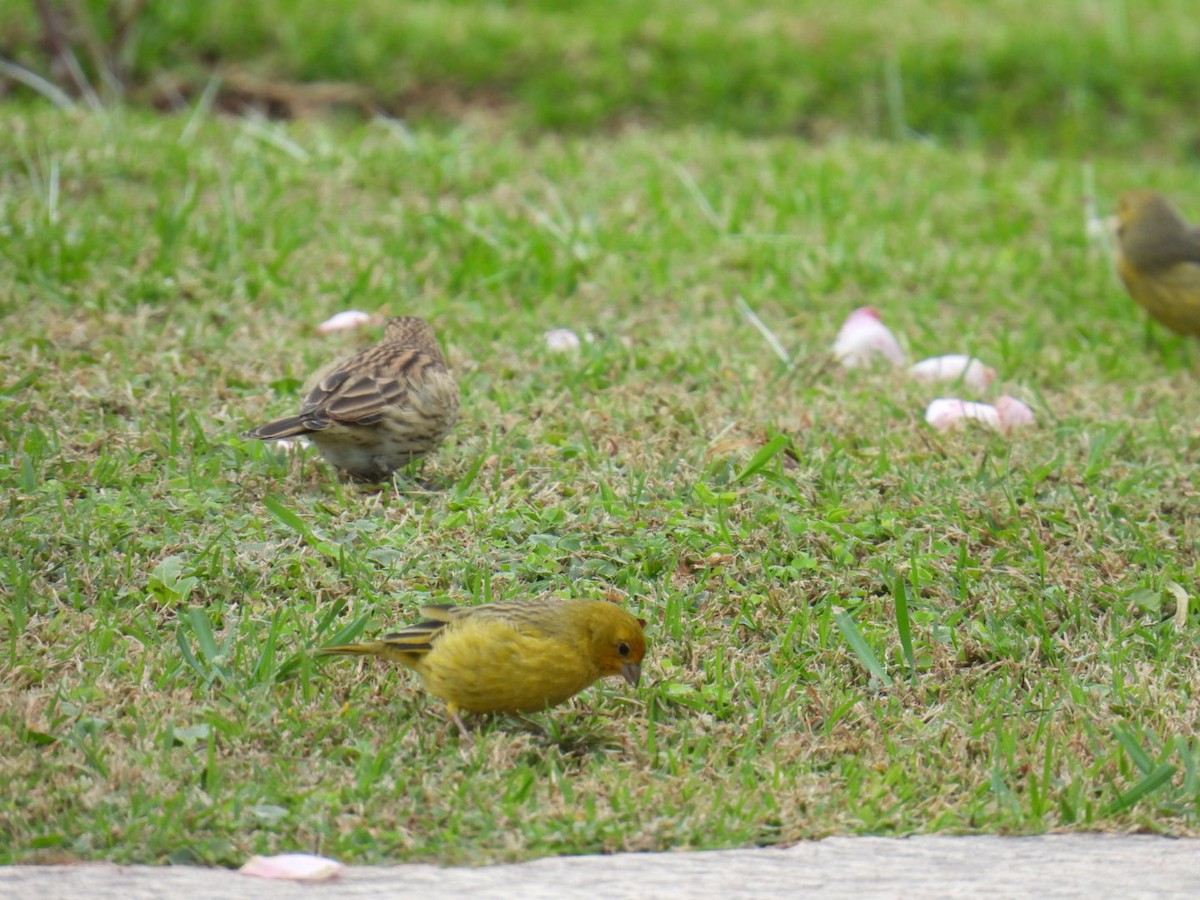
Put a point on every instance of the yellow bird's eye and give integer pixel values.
(622, 648)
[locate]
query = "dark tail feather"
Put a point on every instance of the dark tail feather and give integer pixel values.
(406, 656)
(281, 428)
(349, 650)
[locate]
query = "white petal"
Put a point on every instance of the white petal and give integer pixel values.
(948, 412)
(344, 321)
(561, 340)
(954, 367)
(863, 337)
(1013, 413)
(1100, 228)
(296, 866)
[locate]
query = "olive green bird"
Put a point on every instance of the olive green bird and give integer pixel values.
(1158, 259)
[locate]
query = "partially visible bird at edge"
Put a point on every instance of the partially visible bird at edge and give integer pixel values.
(513, 657)
(380, 409)
(1158, 259)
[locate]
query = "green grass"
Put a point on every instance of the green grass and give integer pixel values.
(1079, 75)
(857, 625)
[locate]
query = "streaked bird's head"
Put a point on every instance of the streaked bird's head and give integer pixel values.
(410, 331)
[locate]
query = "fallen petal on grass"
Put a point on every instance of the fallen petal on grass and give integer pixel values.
(863, 337)
(561, 340)
(345, 321)
(956, 367)
(294, 867)
(1006, 415)
(1013, 413)
(949, 412)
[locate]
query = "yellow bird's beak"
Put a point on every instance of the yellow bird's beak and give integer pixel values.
(632, 672)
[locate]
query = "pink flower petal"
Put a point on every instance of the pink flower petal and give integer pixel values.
(863, 337)
(955, 367)
(293, 866)
(949, 412)
(1013, 413)
(561, 340)
(344, 321)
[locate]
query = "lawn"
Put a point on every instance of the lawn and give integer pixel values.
(1084, 74)
(857, 624)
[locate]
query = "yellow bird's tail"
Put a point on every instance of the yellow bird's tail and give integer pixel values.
(374, 648)
(407, 645)
(383, 649)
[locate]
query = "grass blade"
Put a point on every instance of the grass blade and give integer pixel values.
(1148, 785)
(765, 454)
(288, 518)
(205, 638)
(903, 623)
(773, 342)
(859, 645)
(1133, 748)
(266, 655)
(350, 632)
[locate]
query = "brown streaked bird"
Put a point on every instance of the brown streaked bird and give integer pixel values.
(380, 409)
(513, 657)
(1158, 259)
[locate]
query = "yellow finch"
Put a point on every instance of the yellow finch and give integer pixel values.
(381, 408)
(519, 656)
(1159, 260)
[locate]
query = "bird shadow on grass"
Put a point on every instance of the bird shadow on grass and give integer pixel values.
(1176, 352)
(402, 484)
(422, 481)
(573, 735)
(584, 737)
(402, 487)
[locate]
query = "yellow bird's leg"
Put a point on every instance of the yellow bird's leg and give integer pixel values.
(457, 719)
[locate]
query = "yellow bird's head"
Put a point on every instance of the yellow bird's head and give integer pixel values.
(618, 641)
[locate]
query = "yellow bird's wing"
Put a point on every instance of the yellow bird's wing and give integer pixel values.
(542, 617)
(532, 618)
(443, 612)
(418, 638)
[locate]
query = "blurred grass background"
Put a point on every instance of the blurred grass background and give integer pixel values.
(1078, 76)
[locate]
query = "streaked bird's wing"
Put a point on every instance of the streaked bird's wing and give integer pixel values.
(359, 390)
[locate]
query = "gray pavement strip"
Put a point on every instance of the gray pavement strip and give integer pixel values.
(1047, 866)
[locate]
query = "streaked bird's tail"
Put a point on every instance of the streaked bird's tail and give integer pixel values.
(292, 426)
